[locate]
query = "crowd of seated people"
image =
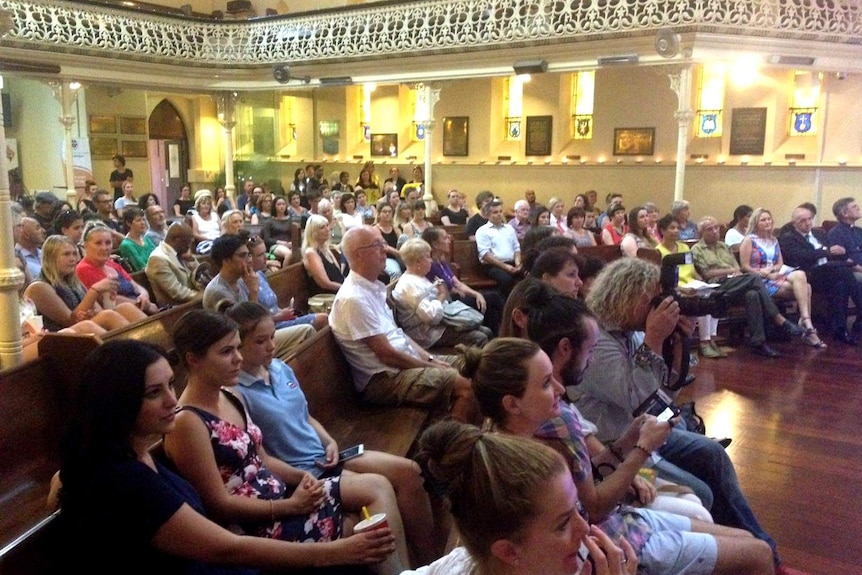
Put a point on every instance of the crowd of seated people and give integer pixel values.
(403, 356)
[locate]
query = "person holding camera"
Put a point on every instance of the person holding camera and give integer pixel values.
(626, 369)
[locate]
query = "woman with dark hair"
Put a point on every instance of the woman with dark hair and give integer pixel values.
(616, 228)
(136, 247)
(222, 202)
(217, 447)
(348, 216)
(184, 203)
(147, 200)
(517, 387)
(394, 267)
(489, 303)
(69, 223)
(638, 235)
(417, 223)
(540, 217)
(516, 508)
(737, 229)
(575, 219)
(277, 231)
(116, 495)
(558, 267)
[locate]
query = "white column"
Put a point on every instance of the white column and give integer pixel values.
(11, 278)
(226, 102)
(66, 94)
(426, 98)
(681, 84)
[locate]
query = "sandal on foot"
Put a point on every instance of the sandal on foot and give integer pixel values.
(810, 337)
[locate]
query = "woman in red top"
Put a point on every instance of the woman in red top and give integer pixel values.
(616, 228)
(97, 265)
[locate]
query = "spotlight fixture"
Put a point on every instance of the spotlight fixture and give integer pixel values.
(530, 67)
(281, 73)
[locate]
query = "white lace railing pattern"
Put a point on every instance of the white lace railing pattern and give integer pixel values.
(409, 28)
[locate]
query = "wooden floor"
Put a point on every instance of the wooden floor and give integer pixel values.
(796, 424)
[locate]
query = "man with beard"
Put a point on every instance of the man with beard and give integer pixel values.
(626, 369)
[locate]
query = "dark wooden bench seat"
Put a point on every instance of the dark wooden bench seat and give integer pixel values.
(325, 377)
(465, 257)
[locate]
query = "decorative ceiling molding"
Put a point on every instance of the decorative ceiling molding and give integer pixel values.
(414, 28)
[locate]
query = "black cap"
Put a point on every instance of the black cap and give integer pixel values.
(45, 198)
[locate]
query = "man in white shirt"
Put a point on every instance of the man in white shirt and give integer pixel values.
(499, 250)
(388, 367)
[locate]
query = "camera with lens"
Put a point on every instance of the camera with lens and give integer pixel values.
(714, 304)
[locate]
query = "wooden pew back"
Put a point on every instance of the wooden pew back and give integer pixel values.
(33, 420)
(324, 375)
(470, 271)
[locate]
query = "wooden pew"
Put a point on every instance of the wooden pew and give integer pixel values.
(33, 420)
(465, 255)
(605, 253)
(325, 377)
(290, 282)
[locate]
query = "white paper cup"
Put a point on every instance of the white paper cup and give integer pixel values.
(376, 521)
(35, 322)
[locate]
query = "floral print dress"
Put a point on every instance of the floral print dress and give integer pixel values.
(243, 473)
(765, 252)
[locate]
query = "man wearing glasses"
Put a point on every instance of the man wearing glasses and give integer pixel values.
(236, 281)
(388, 367)
(104, 211)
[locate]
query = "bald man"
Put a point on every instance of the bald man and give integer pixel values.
(388, 367)
(170, 274)
(829, 270)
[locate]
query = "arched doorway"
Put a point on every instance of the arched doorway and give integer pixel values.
(169, 153)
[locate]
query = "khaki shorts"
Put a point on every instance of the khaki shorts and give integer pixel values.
(425, 386)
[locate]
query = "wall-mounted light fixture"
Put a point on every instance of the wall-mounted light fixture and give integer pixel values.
(530, 67)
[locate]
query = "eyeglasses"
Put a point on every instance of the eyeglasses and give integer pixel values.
(252, 240)
(379, 244)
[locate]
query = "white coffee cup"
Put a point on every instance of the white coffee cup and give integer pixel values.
(376, 521)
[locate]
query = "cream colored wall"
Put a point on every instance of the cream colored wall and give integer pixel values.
(625, 97)
(36, 126)
(102, 100)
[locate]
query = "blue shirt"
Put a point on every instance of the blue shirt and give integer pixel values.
(281, 411)
(689, 232)
(267, 298)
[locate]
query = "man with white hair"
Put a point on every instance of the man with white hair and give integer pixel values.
(389, 368)
(829, 270)
(521, 221)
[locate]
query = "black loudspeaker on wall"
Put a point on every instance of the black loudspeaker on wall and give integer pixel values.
(281, 73)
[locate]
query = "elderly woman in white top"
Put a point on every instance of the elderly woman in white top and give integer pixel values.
(419, 303)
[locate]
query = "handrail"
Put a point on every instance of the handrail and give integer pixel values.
(393, 29)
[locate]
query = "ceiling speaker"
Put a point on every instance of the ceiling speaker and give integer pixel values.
(667, 43)
(281, 73)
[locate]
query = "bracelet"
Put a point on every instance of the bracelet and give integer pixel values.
(615, 451)
(645, 356)
(647, 453)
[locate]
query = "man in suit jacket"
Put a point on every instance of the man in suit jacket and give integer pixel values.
(827, 267)
(171, 276)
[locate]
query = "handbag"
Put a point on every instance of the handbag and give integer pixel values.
(459, 315)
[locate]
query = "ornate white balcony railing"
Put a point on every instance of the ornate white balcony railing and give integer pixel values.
(402, 29)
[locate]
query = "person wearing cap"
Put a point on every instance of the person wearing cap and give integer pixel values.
(43, 210)
(119, 175)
